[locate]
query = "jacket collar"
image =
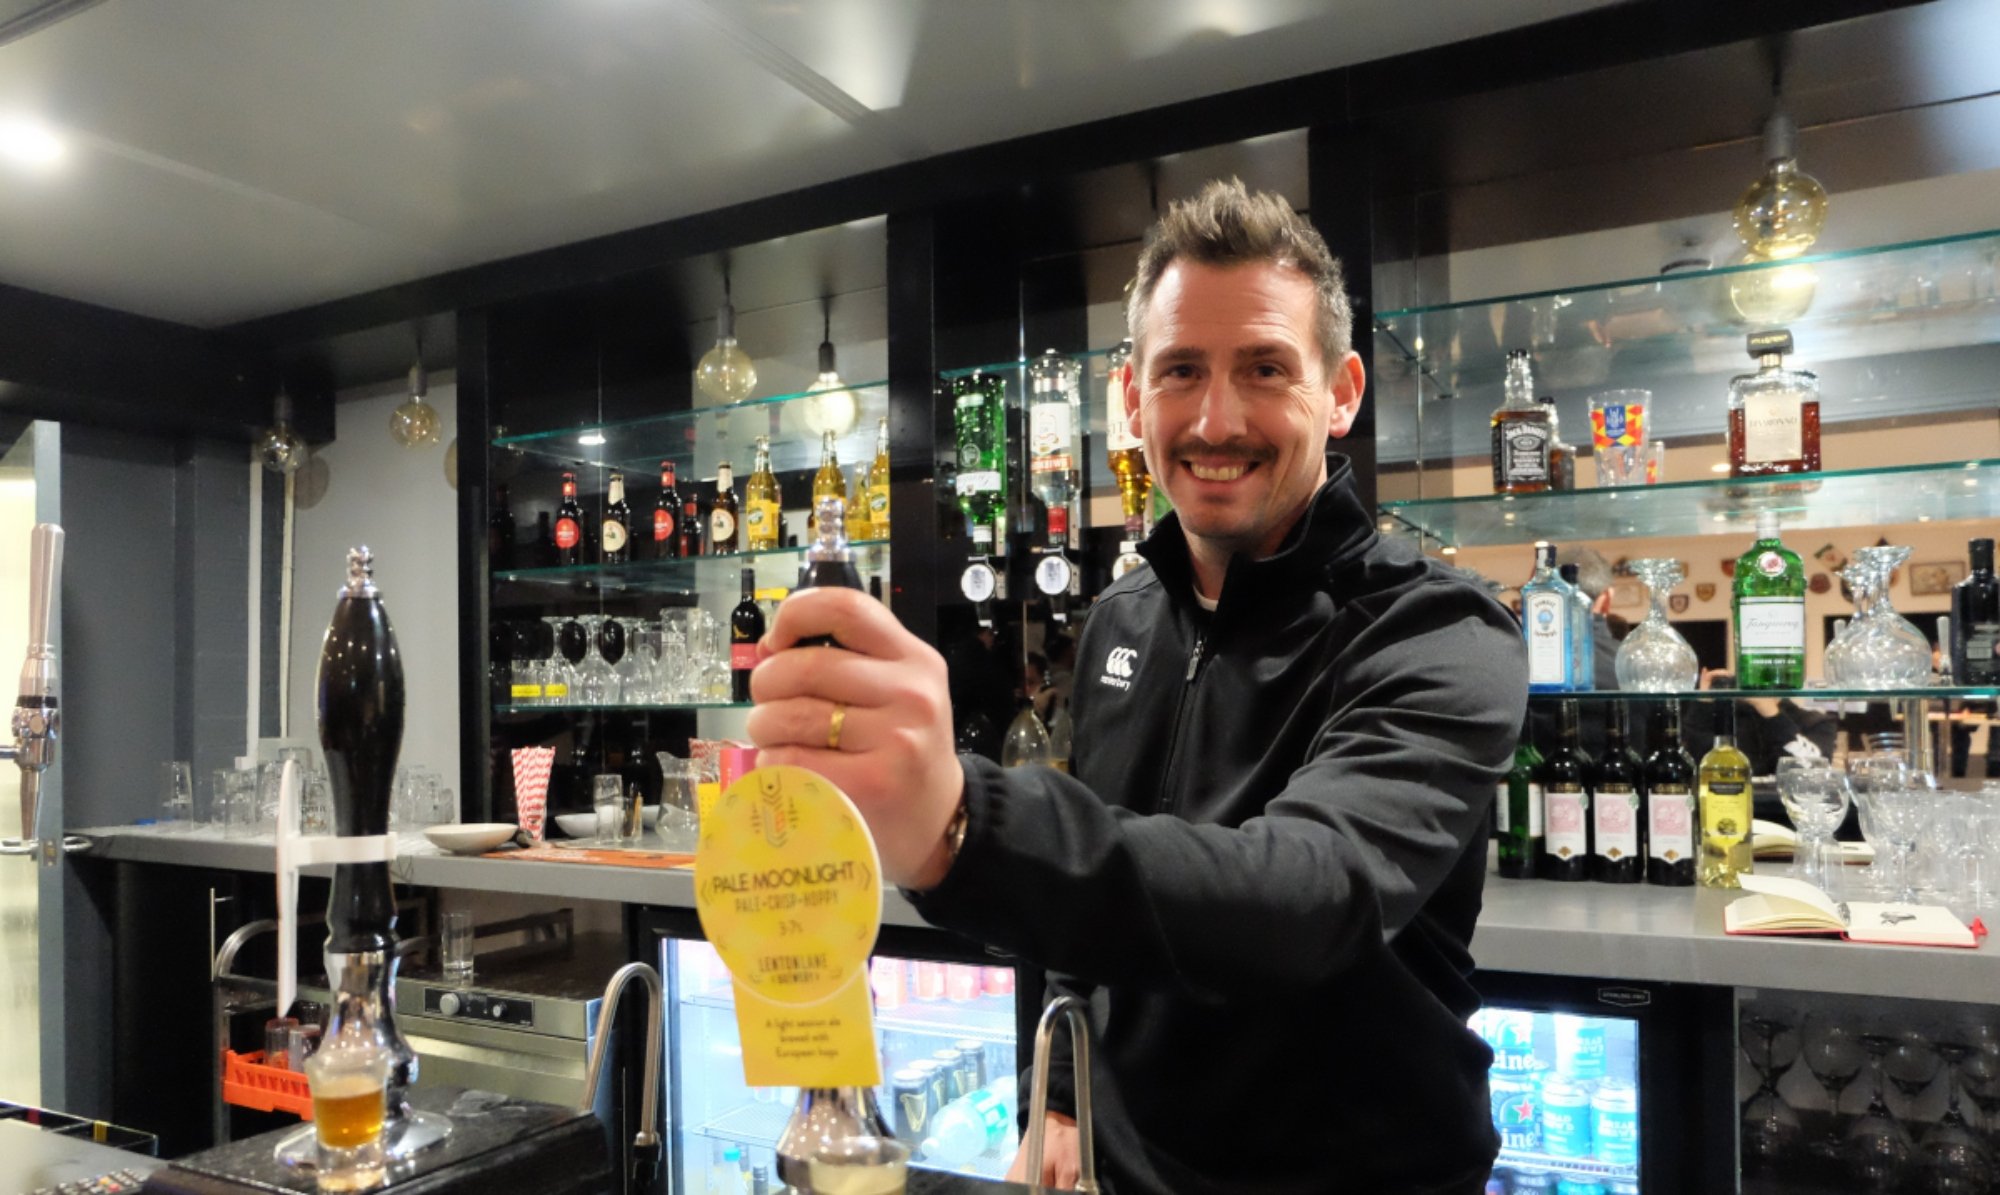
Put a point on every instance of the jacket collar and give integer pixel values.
(1336, 527)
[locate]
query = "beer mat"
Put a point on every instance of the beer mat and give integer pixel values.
(549, 853)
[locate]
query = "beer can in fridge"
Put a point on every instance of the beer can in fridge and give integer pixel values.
(910, 1092)
(1511, 1033)
(1614, 1122)
(1533, 1182)
(996, 981)
(937, 1084)
(1580, 1047)
(1517, 1110)
(953, 1066)
(1574, 1185)
(929, 981)
(961, 982)
(972, 1060)
(1565, 1116)
(889, 979)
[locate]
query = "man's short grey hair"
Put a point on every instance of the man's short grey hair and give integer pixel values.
(1593, 571)
(1227, 225)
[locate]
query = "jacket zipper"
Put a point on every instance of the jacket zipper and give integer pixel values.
(1166, 803)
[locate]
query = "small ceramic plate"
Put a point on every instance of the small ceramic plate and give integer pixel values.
(470, 839)
(578, 825)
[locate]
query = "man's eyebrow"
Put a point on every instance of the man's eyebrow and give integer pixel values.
(1181, 354)
(1269, 348)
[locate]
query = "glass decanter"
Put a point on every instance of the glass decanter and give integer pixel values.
(1884, 650)
(1840, 651)
(1654, 658)
(596, 683)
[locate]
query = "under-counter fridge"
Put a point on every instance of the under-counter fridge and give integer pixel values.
(945, 1022)
(1608, 1088)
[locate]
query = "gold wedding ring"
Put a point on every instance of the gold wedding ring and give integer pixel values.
(833, 727)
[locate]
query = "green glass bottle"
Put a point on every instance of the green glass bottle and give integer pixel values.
(979, 416)
(1517, 813)
(1770, 612)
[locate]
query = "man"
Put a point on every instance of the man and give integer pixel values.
(1265, 873)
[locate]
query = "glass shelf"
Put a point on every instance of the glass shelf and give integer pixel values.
(1952, 692)
(1894, 331)
(697, 440)
(1715, 506)
(618, 707)
(657, 576)
(1084, 357)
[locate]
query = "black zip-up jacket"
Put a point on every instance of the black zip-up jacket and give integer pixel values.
(1266, 870)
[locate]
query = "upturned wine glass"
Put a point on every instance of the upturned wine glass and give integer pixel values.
(1877, 1147)
(1834, 1057)
(1955, 1160)
(1654, 658)
(596, 683)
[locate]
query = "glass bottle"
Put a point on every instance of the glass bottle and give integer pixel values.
(666, 516)
(1722, 786)
(858, 525)
(1548, 620)
(615, 537)
(1975, 621)
(1566, 778)
(1562, 455)
(1027, 740)
(693, 525)
(1769, 612)
(1124, 451)
(1517, 812)
(1054, 404)
(1880, 649)
(746, 627)
(1654, 658)
(1670, 814)
(569, 524)
(1582, 656)
(979, 415)
(828, 482)
(760, 501)
(878, 483)
(1521, 433)
(1773, 413)
(722, 529)
(1618, 808)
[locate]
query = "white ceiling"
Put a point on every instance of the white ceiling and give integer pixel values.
(225, 159)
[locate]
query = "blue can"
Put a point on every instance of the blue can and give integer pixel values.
(1517, 1111)
(1579, 1186)
(1565, 1117)
(1580, 1047)
(1533, 1182)
(1511, 1033)
(1614, 1122)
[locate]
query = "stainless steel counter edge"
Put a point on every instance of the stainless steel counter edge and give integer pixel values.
(1632, 932)
(420, 864)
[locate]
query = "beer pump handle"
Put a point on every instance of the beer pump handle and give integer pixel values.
(37, 720)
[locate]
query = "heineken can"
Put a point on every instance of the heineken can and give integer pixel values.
(1580, 1047)
(1614, 1122)
(1511, 1033)
(1517, 1111)
(1565, 1116)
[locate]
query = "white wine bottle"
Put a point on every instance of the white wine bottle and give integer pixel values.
(1722, 783)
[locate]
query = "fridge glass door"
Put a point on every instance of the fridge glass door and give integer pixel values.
(946, 1032)
(1565, 1090)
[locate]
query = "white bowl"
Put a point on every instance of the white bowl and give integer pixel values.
(578, 825)
(652, 815)
(472, 839)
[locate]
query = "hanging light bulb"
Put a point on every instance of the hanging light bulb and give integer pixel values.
(280, 448)
(835, 410)
(724, 372)
(1782, 213)
(415, 423)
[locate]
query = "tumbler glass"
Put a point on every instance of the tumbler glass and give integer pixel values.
(177, 795)
(455, 947)
(349, 1080)
(1618, 421)
(609, 799)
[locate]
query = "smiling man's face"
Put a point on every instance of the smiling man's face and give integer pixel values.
(1234, 401)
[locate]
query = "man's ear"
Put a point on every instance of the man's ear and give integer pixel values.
(1350, 382)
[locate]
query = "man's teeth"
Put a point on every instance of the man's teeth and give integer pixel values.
(1217, 472)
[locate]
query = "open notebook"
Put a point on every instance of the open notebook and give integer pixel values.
(1774, 905)
(1770, 840)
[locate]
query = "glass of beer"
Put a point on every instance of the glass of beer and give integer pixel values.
(350, 1085)
(860, 1166)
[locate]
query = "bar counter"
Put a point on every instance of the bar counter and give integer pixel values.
(1634, 932)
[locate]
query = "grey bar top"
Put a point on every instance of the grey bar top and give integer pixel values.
(1635, 932)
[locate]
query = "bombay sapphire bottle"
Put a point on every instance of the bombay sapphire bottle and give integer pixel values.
(1548, 620)
(1582, 660)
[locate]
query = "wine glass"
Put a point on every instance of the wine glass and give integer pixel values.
(558, 670)
(1770, 1126)
(596, 683)
(1911, 1067)
(1835, 1058)
(1901, 814)
(1867, 772)
(1979, 1073)
(1816, 796)
(1877, 1147)
(1770, 1041)
(1955, 1160)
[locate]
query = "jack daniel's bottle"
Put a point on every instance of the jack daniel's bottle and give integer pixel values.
(1522, 436)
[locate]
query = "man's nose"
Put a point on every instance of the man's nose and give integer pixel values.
(1220, 418)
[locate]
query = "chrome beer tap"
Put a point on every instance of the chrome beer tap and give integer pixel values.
(37, 718)
(646, 1142)
(1074, 1011)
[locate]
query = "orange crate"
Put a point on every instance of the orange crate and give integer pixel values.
(249, 1083)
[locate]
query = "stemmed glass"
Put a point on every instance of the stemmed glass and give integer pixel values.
(1979, 1074)
(558, 671)
(1911, 1067)
(1865, 774)
(1957, 1162)
(596, 683)
(1901, 814)
(621, 651)
(1654, 658)
(1877, 1147)
(1835, 1058)
(1816, 796)
(1770, 1126)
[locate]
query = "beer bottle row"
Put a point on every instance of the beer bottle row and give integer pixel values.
(683, 523)
(1618, 819)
